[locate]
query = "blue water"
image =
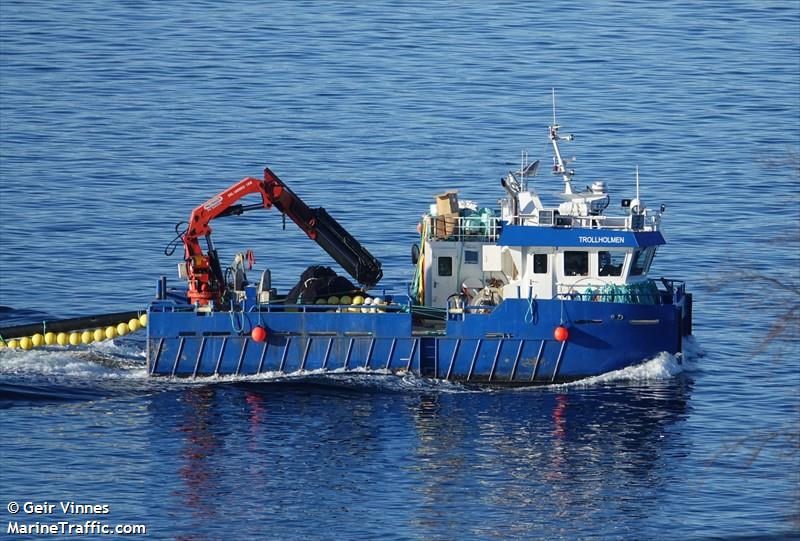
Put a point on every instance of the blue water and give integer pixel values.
(116, 119)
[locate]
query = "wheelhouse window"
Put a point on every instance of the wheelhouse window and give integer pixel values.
(610, 263)
(470, 257)
(650, 256)
(539, 263)
(642, 259)
(445, 265)
(576, 263)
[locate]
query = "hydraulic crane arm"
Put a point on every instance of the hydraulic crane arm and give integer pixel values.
(206, 282)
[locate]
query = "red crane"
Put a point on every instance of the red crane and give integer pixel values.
(206, 281)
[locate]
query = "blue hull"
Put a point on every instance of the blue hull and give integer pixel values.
(514, 344)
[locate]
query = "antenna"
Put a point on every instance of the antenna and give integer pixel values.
(637, 207)
(523, 161)
(560, 168)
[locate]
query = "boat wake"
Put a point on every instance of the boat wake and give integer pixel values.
(103, 360)
(356, 379)
(663, 366)
(104, 368)
(54, 375)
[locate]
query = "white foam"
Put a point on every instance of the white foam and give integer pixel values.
(692, 350)
(402, 381)
(358, 377)
(271, 376)
(77, 363)
(663, 366)
(117, 348)
(113, 360)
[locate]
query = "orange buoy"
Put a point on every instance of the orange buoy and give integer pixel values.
(561, 333)
(259, 334)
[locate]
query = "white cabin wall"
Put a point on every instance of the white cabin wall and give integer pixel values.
(512, 261)
(513, 267)
(568, 284)
(468, 260)
(541, 283)
(528, 283)
(428, 266)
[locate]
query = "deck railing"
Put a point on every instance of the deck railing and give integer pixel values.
(464, 228)
(550, 219)
(646, 292)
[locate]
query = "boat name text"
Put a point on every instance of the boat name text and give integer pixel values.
(598, 240)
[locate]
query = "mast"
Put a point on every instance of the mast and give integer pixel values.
(560, 167)
(637, 207)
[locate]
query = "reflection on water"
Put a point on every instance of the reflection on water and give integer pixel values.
(518, 463)
(200, 444)
(507, 463)
(136, 95)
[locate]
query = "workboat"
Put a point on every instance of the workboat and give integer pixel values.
(522, 294)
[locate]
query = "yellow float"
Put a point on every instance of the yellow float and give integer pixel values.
(82, 336)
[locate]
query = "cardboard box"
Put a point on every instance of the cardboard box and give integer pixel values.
(447, 203)
(446, 226)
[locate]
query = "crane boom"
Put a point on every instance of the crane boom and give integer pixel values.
(206, 281)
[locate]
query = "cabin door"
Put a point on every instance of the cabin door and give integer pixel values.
(541, 273)
(443, 276)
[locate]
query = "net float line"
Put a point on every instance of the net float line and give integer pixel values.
(72, 331)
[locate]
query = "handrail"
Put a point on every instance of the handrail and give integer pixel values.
(463, 228)
(332, 308)
(644, 292)
(625, 298)
(600, 221)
